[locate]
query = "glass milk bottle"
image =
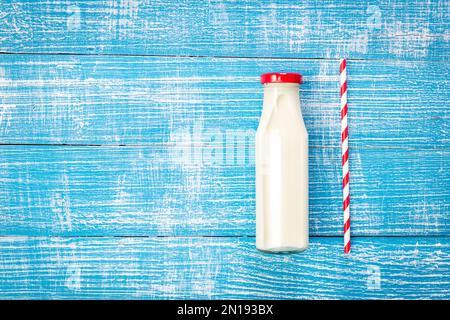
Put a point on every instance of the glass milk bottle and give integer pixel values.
(281, 167)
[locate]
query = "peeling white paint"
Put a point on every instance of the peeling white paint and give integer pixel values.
(407, 40)
(60, 204)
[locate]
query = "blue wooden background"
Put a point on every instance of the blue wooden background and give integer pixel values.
(127, 130)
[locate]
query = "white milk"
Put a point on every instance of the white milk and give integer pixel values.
(281, 171)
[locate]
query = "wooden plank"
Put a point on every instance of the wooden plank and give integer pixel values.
(142, 100)
(229, 268)
(130, 191)
(310, 29)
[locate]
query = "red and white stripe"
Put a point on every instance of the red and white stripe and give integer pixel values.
(345, 160)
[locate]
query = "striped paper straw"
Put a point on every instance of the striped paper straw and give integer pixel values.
(345, 160)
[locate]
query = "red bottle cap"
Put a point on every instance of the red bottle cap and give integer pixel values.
(279, 77)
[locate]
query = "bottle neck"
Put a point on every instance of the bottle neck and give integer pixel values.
(286, 95)
(277, 89)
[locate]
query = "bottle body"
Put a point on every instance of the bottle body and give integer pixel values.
(281, 172)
